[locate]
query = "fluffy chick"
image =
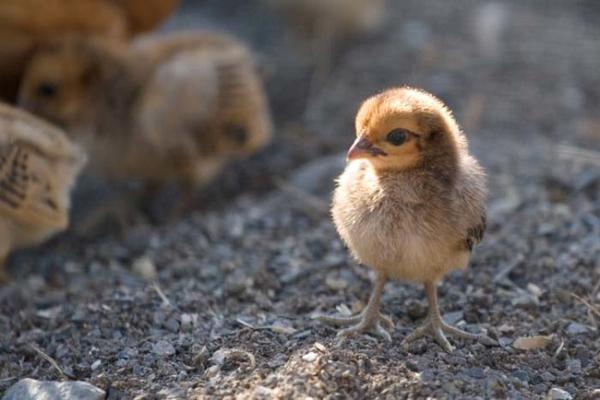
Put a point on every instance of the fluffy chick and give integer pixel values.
(38, 167)
(146, 15)
(24, 24)
(322, 25)
(337, 19)
(410, 203)
(27, 24)
(165, 109)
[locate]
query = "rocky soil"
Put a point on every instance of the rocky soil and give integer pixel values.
(219, 305)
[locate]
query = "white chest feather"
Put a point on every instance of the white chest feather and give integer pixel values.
(394, 235)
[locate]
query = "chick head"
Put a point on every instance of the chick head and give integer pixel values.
(403, 128)
(57, 81)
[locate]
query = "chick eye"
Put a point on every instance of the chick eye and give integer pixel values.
(396, 137)
(47, 89)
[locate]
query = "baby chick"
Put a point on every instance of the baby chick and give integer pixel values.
(337, 19)
(38, 167)
(410, 203)
(165, 109)
(146, 15)
(27, 24)
(323, 24)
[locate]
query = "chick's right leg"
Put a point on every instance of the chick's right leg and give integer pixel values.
(370, 320)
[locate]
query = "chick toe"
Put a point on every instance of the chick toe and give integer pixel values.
(435, 326)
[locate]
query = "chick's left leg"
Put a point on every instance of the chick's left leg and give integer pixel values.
(435, 326)
(370, 320)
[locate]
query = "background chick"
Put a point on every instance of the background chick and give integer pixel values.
(410, 203)
(165, 109)
(38, 167)
(27, 24)
(323, 25)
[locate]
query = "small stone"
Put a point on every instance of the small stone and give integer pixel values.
(31, 389)
(427, 376)
(453, 317)
(548, 376)
(412, 366)
(163, 348)
(540, 388)
(415, 309)
(95, 365)
(576, 328)
(526, 302)
(559, 394)
(521, 375)
(476, 373)
(144, 267)
(574, 366)
(320, 347)
(310, 357)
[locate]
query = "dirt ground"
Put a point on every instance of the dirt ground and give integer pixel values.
(228, 314)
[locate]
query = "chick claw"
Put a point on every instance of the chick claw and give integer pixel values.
(437, 328)
(361, 323)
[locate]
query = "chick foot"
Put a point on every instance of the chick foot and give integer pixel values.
(435, 326)
(370, 320)
(374, 323)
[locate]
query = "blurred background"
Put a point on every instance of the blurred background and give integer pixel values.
(523, 80)
(520, 76)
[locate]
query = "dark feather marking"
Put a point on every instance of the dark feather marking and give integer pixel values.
(476, 233)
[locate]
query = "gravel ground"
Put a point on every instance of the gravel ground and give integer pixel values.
(219, 305)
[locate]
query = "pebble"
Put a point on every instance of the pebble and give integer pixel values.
(476, 373)
(310, 357)
(453, 317)
(163, 348)
(31, 389)
(574, 366)
(559, 394)
(144, 267)
(521, 375)
(576, 328)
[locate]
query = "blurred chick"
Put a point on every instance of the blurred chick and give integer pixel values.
(323, 24)
(27, 24)
(38, 167)
(410, 203)
(146, 15)
(166, 109)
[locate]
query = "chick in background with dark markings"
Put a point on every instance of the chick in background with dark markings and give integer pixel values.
(38, 168)
(165, 109)
(410, 204)
(27, 24)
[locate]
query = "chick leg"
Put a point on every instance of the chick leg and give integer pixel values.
(434, 324)
(369, 320)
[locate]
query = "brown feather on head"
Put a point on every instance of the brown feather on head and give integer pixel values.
(405, 128)
(60, 79)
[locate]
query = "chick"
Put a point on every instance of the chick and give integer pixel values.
(146, 15)
(338, 19)
(165, 109)
(27, 24)
(410, 203)
(324, 24)
(38, 167)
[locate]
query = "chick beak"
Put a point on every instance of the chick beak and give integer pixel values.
(363, 148)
